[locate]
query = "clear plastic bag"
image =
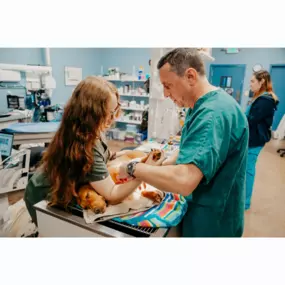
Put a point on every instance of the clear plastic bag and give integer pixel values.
(17, 221)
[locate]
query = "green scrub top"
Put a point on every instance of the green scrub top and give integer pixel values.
(215, 139)
(39, 186)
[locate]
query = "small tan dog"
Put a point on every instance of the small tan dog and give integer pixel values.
(88, 198)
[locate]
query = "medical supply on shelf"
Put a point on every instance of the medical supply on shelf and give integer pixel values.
(129, 135)
(133, 104)
(132, 110)
(131, 128)
(124, 104)
(138, 116)
(130, 138)
(121, 135)
(15, 102)
(141, 75)
(138, 138)
(114, 72)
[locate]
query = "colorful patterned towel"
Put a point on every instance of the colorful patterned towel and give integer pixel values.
(168, 213)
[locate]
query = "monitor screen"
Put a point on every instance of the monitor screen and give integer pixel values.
(6, 144)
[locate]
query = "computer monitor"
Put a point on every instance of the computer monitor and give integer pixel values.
(6, 144)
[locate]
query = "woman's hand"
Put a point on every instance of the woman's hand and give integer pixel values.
(113, 155)
(123, 174)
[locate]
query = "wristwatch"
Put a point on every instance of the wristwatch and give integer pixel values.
(131, 167)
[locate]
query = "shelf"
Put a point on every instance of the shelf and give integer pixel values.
(132, 109)
(124, 80)
(129, 95)
(129, 122)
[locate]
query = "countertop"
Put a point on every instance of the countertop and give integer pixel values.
(13, 117)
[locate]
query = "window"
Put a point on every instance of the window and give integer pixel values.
(226, 82)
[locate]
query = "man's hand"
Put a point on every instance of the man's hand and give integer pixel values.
(151, 161)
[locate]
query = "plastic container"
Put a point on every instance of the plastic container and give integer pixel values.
(109, 134)
(131, 128)
(129, 139)
(139, 138)
(121, 135)
(116, 134)
(133, 104)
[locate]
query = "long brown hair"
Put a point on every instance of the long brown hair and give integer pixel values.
(266, 86)
(69, 156)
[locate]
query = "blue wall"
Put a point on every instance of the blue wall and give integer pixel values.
(21, 55)
(250, 57)
(86, 58)
(91, 60)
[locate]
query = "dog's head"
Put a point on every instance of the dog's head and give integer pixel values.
(89, 199)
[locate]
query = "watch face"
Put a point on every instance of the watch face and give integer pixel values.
(131, 168)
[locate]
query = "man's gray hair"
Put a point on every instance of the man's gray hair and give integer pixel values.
(180, 59)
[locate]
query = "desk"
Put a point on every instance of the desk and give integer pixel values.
(53, 222)
(12, 119)
(28, 138)
(27, 133)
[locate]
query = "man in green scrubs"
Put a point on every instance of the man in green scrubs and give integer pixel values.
(211, 162)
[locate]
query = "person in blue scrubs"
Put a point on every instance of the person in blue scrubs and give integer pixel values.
(211, 162)
(260, 113)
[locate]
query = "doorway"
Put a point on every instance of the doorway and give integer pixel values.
(277, 72)
(230, 77)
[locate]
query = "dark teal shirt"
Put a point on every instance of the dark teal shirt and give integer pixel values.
(39, 186)
(215, 139)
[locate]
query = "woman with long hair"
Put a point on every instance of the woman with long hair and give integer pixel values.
(260, 113)
(78, 153)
